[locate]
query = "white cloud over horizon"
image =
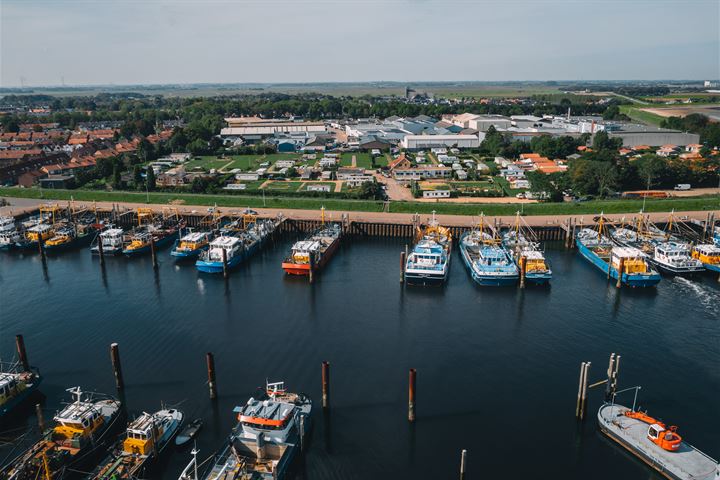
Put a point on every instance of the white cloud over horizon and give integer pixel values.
(150, 42)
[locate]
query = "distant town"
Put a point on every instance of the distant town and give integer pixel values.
(641, 141)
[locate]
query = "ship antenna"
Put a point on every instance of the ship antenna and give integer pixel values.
(194, 453)
(75, 391)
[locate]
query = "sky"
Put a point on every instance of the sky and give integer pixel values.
(121, 42)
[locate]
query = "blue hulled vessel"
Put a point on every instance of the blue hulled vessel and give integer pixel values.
(429, 261)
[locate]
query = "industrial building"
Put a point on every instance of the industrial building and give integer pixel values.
(253, 128)
(422, 142)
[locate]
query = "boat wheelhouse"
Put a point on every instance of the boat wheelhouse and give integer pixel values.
(709, 255)
(15, 387)
(191, 245)
(35, 233)
(112, 241)
(146, 437)
(222, 253)
(266, 439)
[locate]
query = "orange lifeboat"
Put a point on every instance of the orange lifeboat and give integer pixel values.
(665, 438)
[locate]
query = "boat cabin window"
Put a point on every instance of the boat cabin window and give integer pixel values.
(653, 431)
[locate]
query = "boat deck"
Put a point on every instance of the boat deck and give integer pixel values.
(685, 463)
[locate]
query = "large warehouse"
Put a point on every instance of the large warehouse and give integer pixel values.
(421, 142)
(254, 128)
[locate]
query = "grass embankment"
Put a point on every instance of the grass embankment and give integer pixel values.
(641, 116)
(581, 208)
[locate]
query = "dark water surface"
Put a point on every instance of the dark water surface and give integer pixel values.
(497, 369)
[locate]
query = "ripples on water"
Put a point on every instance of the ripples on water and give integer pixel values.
(497, 368)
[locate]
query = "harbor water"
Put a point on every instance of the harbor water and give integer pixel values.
(497, 369)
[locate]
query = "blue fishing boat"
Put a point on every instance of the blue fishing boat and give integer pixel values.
(191, 245)
(160, 232)
(487, 261)
(709, 255)
(629, 262)
(429, 261)
(231, 250)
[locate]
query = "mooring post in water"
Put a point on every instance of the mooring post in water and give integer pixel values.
(101, 252)
(117, 368)
(22, 354)
(582, 390)
(212, 385)
(311, 262)
(402, 267)
(463, 464)
(40, 244)
(621, 269)
(302, 433)
(40, 418)
(224, 261)
(411, 395)
(152, 251)
(523, 270)
(325, 385)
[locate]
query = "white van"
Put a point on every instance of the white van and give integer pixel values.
(683, 186)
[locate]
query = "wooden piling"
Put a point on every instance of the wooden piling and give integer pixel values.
(326, 385)
(621, 268)
(302, 433)
(212, 385)
(152, 251)
(311, 270)
(40, 241)
(523, 270)
(411, 395)
(40, 417)
(22, 353)
(582, 391)
(117, 368)
(463, 463)
(101, 252)
(224, 262)
(402, 267)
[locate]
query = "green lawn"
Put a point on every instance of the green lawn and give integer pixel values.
(381, 161)
(581, 208)
(505, 185)
(283, 186)
(362, 160)
(243, 162)
(206, 163)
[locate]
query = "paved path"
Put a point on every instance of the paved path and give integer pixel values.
(19, 205)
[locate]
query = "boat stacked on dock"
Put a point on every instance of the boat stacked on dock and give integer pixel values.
(314, 252)
(628, 263)
(145, 439)
(268, 436)
(82, 430)
(429, 261)
(487, 260)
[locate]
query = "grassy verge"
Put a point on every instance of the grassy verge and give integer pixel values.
(582, 208)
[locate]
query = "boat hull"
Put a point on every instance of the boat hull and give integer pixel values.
(425, 279)
(631, 280)
(538, 278)
(187, 254)
(76, 242)
(304, 268)
(106, 251)
(508, 280)
(159, 243)
(19, 399)
(217, 267)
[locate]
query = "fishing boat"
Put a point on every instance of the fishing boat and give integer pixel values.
(268, 436)
(34, 234)
(191, 245)
(9, 233)
(664, 251)
(160, 232)
(16, 385)
(596, 247)
(70, 235)
(112, 241)
(226, 252)
(716, 236)
(487, 261)
(709, 255)
(189, 432)
(429, 261)
(527, 253)
(82, 430)
(145, 439)
(314, 252)
(656, 444)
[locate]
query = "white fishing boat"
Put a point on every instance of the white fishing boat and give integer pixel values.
(112, 241)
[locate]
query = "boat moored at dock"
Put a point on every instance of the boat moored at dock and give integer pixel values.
(487, 261)
(663, 251)
(709, 255)
(629, 263)
(34, 234)
(16, 386)
(237, 247)
(314, 252)
(527, 254)
(160, 232)
(267, 438)
(82, 430)
(112, 241)
(145, 439)
(429, 261)
(191, 245)
(656, 444)
(9, 233)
